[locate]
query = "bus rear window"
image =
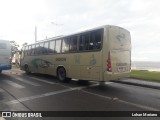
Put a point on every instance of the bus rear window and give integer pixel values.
(3, 46)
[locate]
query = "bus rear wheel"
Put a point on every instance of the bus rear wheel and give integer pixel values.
(61, 75)
(27, 70)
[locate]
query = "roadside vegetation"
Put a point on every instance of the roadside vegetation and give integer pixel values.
(146, 75)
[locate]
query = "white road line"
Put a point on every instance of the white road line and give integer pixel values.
(28, 82)
(13, 84)
(47, 94)
(106, 97)
(38, 96)
(41, 80)
(125, 102)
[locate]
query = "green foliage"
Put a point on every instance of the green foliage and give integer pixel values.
(14, 47)
(24, 44)
(146, 75)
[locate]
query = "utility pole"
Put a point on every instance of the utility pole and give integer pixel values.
(35, 34)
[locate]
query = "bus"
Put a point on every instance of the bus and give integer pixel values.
(101, 54)
(5, 55)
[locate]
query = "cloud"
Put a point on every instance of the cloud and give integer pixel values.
(140, 17)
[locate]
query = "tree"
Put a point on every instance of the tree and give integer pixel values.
(14, 47)
(24, 44)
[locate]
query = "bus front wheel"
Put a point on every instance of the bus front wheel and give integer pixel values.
(27, 70)
(61, 75)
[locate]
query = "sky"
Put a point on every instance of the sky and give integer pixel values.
(18, 19)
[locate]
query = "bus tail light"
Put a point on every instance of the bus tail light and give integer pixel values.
(109, 69)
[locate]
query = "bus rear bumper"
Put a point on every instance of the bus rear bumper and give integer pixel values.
(115, 76)
(6, 67)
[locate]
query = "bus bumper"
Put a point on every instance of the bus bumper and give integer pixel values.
(6, 67)
(114, 76)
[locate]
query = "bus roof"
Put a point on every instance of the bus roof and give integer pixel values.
(4, 40)
(62, 36)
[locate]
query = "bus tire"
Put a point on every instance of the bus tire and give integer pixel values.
(27, 70)
(61, 74)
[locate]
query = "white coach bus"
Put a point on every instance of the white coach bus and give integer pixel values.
(5, 55)
(101, 54)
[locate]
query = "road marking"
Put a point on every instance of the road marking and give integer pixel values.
(28, 82)
(41, 80)
(13, 84)
(125, 102)
(39, 96)
(47, 94)
(106, 97)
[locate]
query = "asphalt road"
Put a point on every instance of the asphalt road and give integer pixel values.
(20, 92)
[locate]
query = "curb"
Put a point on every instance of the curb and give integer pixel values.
(136, 84)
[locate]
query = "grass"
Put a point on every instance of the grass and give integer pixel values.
(146, 75)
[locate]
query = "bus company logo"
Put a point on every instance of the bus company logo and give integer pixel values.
(40, 63)
(21, 114)
(60, 59)
(121, 37)
(6, 114)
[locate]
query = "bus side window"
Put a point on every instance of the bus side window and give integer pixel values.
(51, 47)
(95, 41)
(25, 50)
(3, 46)
(58, 46)
(84, 42)
(36, 49)
(46, 48)
(98, 39)
(33, 50)
(91, 43)
(73, 43)
(29, 50)
(41, 48)
(65, 45)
